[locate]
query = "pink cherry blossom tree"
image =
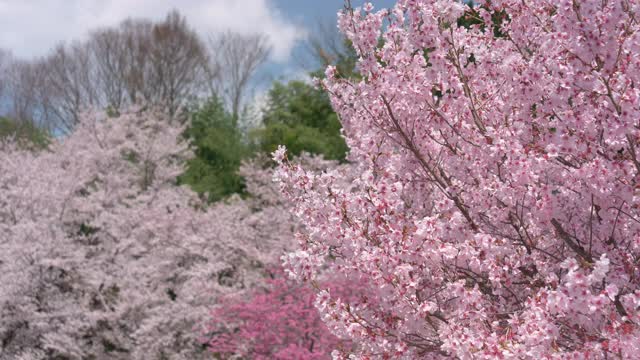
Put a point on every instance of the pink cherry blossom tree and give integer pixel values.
(102, 255)
(495, 210)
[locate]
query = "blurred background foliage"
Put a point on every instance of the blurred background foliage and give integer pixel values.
(212, 85)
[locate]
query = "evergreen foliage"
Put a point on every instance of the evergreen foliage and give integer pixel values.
(300, 116)
(219, 148)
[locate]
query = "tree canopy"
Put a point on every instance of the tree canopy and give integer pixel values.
(219, 148)
(300, 116)
(494, 208)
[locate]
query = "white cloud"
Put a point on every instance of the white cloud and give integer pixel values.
(32, 27)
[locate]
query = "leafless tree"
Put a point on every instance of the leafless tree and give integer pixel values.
(160, 64)
(325, 46)
(109, 50)
(25, 87)
(177, 62)
(237, 56)
(4, 62)
(164, 64)
(69, 82)
(137, 39)
(324, 43)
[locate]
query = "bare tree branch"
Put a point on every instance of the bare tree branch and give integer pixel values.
(237, 58)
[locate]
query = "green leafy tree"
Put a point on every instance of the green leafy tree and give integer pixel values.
(297, 115)
(219, 149)
(301, 117)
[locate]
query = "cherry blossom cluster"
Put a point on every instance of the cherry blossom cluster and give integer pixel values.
(103, 255)
(494, 211)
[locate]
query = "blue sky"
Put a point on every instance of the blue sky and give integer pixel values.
(30, 28)
(307, 13)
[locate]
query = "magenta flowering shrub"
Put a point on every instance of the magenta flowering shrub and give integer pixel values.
(495, 211)
(277, 321)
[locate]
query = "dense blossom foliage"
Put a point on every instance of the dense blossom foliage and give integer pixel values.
(102, 255)
(495, 211)
(279, 321)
